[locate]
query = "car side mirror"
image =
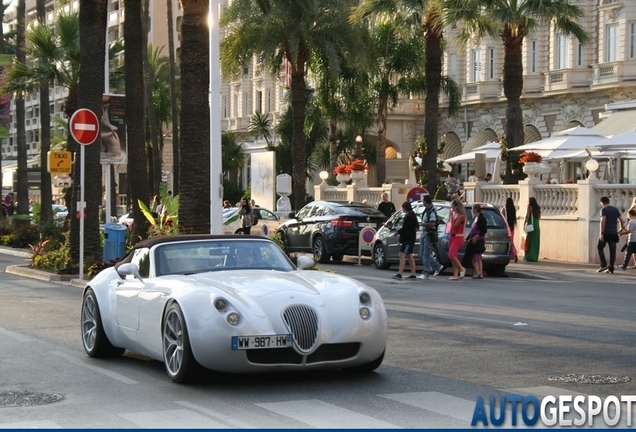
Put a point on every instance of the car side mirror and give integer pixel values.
(129, 269)
(292, 215)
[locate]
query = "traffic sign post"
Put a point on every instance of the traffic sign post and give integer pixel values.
(416, 194)
(365, 241)
(59, 162)
(84, 128)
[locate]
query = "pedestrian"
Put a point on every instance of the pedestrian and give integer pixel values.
(160, 208)
(477, 241)
(452, 185)
(245, 213)
(428, 237)
(608, 234)
(630, 230)
(386, 206)
(509, 213)
(408, 234)
(533, 235)
(455, 231)
(11, 208)
(632, 207)
(471, 176)
(253, 203)
(227, 204)
(488, 177)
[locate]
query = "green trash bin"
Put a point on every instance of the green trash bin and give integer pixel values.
(114, 241)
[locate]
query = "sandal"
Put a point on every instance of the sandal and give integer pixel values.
(481, 276)
(453, 278)
(476, 276)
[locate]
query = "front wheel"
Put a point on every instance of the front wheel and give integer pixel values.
(337, 257)
(320, 250)
(379, 257)
(177, 354)
(94, 339)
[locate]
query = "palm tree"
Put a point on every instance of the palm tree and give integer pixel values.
(135, 108)
(3, 7)
(512, 21)
(92, 33)
(46, 195)
(260, 127)
(233, 156)
(173, 101)
(194, 187)
(289, 32)
(426, 15)
(23, 187)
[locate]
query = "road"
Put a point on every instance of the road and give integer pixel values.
(449, 342)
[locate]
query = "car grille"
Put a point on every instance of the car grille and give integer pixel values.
(302, 322)
(325, 353)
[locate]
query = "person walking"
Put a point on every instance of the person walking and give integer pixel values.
(509, 213)
(632, 207)
(408, 234)
(630, 230)
(428, 236)
(386, 206)
(455, 230)
(245, 213)
(477, 241)
(533, 237)
(608, 234)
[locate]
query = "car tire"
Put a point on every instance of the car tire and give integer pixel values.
(379, 257)
(239, 231)
(320, 250)
(368, 367)
(337, 257)
(497, 270)
(94, 339)
(180, 363)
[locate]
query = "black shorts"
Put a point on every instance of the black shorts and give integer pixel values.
(407, 247)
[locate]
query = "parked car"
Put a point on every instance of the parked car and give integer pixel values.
(498, 243)
(231, 304)
(59, 211)
(232, 221)
(329, 229)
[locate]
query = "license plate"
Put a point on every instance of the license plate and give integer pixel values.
(490, 247)
(262, 342)
(366, 224)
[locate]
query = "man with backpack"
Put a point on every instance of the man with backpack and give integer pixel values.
(428, 237)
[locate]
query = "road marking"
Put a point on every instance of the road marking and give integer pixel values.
(171, 419)
(458, 408)
(110, 374)
(35, 424)
(16, 336)
(320, 414)
(229, 421)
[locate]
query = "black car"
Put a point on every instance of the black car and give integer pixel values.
(498, 243)
(329, 229)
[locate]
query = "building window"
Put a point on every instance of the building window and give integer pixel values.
(533, 57)
(561, 51)
(476, 65)
(246, 104)
(491, 63)
(580, 55)
(259, 102)
(268, 104)
(236, 105)
(452, 67)
(632, 40)
(225, 107)
(611, 42)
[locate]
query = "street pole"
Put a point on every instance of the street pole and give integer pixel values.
(216, 175)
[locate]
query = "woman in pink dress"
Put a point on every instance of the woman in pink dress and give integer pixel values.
(455, 230)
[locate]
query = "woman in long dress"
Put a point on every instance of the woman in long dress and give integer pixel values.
(533, 238)
(509, 213)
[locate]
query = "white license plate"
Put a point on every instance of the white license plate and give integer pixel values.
(366, 224)
(262, 342)
(490, 247)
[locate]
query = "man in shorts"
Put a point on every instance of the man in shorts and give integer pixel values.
(408, 234)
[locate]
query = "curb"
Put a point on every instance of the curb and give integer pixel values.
(15, 252)
(26, 271)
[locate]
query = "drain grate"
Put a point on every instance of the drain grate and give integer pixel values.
(21, 399)
(589, 379)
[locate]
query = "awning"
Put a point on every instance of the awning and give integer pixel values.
(618, 123)
(479, 139)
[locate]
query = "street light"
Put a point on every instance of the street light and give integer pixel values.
(592, 165)
(324, 175)
(358, 147)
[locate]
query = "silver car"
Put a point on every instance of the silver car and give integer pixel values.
(498, 242)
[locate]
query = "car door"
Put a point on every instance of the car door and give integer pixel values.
(392, 245)
(127, 293)
(296, 228)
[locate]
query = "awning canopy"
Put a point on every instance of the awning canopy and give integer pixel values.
(618, 123)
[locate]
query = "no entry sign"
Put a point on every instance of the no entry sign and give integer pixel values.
(84, 126)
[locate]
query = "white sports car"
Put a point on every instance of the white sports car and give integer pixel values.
(231, 304)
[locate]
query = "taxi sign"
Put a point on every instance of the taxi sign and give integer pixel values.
(59, 162)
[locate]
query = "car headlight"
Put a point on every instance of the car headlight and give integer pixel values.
(220, 304)
(365, 313)
(233, 318)
(365, 298)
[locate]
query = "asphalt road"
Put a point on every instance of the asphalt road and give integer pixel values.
(449, 342)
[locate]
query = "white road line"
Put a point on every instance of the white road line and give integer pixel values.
(320, 414)
(16, 336)
(110, 374)
(458, 408)
(229, 421)
(172, 419)
(35, 424)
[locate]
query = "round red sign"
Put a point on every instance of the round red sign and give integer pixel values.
(416, 194)
(84, 126)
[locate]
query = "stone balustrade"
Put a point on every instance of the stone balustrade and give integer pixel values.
(557, 199)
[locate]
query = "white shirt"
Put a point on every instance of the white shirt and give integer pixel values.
(631, 226)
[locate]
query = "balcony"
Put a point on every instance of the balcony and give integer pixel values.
(481, 90)
(564, 80)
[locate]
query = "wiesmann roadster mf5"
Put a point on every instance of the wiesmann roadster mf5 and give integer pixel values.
(231, 304)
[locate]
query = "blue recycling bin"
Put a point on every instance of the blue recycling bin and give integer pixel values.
(114, 241)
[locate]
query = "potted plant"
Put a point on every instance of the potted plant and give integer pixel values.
(531, 161)
(343, 173)
(503, 148)
(442, 144)
(358, 165)
(421, 146)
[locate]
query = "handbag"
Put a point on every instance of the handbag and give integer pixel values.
(529, 227)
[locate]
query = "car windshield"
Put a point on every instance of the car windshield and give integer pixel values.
(359, 210)
(191, 257)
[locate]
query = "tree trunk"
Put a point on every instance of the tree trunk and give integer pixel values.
(22, 206)
(333, 145)
(92, 29)
(46, 195)
(299, 140)
(194, 204)
(433, 70)
(150, 106)
(138, 165)
(173, 103)
(512, 86)
(380, 157)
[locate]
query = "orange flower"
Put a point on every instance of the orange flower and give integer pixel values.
(526, 157)
(342, 169)
(358, 165)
